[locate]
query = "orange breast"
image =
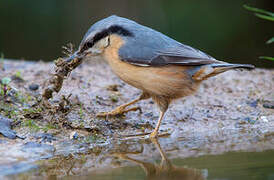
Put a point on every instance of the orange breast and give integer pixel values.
(171, 81)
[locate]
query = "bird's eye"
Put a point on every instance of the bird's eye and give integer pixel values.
(88, 44)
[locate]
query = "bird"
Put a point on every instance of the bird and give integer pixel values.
(161, 67)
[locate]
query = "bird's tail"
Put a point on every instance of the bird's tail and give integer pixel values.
(210, 70)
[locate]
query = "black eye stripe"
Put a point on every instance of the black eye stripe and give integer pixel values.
(115, 29)
(120, 30)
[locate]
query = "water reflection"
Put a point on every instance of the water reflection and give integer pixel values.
(115, 161)
(164, 170)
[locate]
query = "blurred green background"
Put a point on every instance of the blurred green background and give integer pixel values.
(36, 30)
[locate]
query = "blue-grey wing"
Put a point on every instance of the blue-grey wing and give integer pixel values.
(152, 48)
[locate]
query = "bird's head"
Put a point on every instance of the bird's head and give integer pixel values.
(97, 37)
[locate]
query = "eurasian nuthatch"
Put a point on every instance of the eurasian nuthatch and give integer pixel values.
(161, 67)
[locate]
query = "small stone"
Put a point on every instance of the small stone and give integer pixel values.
(114, 97)
(5, 128)
(253, 103)
(269, 104)
(264, 119)
(247, 120)
(33, 87)
(113, 87)
(45, 137)
(73, 135)
(150, 114)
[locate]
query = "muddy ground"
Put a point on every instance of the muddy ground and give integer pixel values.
(230, 112)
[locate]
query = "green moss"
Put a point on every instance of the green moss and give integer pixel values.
(23, 97)
(48, 127)
(31, 125)
(82, 124)
(32, 110)
(18, 75)
(94, 139)
(9, 110)
(114, 98)
(2, 92)
(81, 112)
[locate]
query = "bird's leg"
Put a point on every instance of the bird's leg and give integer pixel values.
(122, 109)
(163, 105)
(154, 134)
(165, 163)
(149, 168)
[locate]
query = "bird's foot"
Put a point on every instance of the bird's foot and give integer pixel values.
(118, 111)
(153, 135)
(147, 135)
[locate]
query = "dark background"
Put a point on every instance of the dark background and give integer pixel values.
(34, 30)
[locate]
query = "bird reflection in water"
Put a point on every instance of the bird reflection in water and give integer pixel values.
(165, 170)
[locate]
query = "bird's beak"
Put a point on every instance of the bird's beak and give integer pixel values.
(79, 55)
(75, 55)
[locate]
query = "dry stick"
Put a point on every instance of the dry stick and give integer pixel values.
(54, 84)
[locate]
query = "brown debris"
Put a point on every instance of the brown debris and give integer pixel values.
(113, 87)
(62, 71)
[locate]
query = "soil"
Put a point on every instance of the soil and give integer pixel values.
(230, 112)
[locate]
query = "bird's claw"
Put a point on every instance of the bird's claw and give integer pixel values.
(153, 135)
(146, 135)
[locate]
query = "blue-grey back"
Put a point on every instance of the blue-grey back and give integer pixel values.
(147, 46)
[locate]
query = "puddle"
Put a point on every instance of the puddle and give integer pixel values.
(244, 166)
